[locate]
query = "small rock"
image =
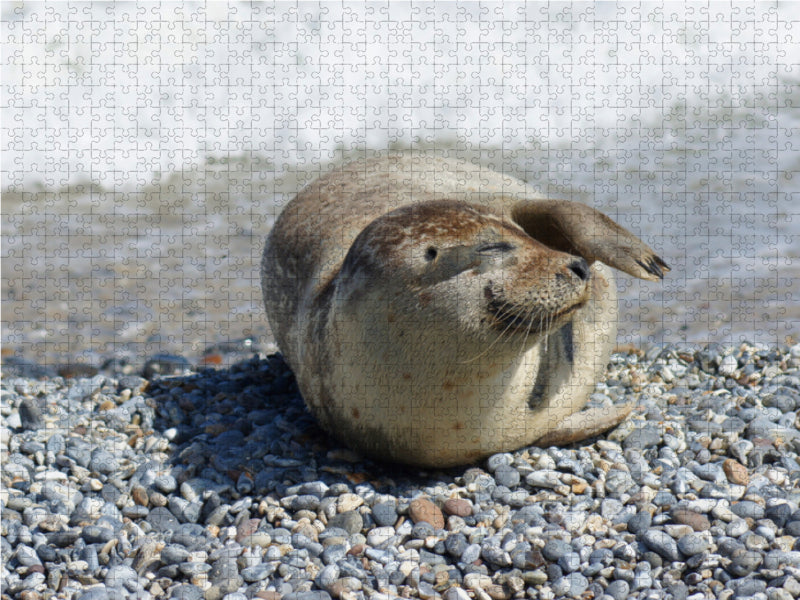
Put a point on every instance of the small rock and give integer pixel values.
(351, 521)
(695, 520)
(660, 542)
(379, 535)
(746, 508)
(458, 507)
(618, 589)
(257, 572)
(507, 475)
(422, 509)
(554, 549)
(30, 415)
(347, 502)
(384, 514)
(692, 544)
(736, 472)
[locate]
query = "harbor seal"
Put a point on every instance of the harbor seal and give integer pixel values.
(434, 312)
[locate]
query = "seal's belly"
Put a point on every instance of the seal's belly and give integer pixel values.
(409, 414)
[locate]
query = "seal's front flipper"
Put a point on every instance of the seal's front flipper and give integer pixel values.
(580, 230)
(584, 424)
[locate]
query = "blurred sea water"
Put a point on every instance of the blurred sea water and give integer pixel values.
(148, 148)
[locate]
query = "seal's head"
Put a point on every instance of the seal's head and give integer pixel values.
(464, 275)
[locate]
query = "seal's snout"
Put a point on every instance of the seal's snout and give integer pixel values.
(581, 268)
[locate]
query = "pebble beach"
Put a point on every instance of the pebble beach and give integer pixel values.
(163, 481)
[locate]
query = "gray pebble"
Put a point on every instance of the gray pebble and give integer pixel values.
(62, 539)
(89, 554)
(162, 519)
(494, 555)
(257, 572)
(186, 591)
(554, 549)
(744, 562)
(747, 587)
(570, 562)
(165, 484)
(95, 534)
(618, 482)
(507, 476)
(639, 523)
(422, 530)
(351, 521)
(498, 460)
(119, 576)
(174, 553)
(186, 512)
(305, 502)
(46, 553)
(471, 553)
(746, 508)
(327, 577)
(27, 556)
(225, 574)
(455, 544)
(312, 595)
(572, 585)
(618, 589)
(385, 514)
(647, 436)
(102, 461)
(642, 580)
(30, 415)
(661, 543)
(692, 544)
(192, 569)
(334, 553)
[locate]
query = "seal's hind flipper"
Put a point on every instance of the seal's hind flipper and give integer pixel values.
(580, 230)
(585, 425)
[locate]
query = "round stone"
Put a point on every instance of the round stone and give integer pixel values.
(693, 519)
(458, 507)
(384, 514)
(554, 549)
(30, 415)
(735, 471)
(746, 508)
(618, 589)
(507, 475)
(351, 521)
(422, 509)
(660, 542)
(639, 523)
(692, 544)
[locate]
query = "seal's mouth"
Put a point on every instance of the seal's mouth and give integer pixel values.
(510, 317)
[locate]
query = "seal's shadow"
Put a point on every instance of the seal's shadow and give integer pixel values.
(247, 430)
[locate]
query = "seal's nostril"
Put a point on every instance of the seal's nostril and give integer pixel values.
(580, 268)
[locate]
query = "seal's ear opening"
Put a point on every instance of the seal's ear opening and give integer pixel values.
(580, 230)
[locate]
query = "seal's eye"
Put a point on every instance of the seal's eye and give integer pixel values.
(495, 247)
(431, 253)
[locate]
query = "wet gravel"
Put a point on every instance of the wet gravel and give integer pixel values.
(219, 484)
